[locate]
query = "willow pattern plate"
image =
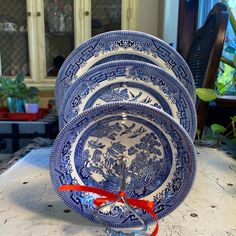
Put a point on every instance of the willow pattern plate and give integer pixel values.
(130, 81)
(160, 166)
(122, 45)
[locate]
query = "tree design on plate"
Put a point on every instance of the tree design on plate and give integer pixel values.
(107, 142)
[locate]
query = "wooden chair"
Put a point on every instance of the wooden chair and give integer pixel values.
(205, 53)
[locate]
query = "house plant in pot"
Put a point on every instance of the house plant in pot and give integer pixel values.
(31, 100)
(14, 91)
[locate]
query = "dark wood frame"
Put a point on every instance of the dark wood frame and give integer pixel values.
(187, 28)
(187, 25)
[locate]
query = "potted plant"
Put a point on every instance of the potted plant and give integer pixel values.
(31, 100)
(18, 97)
(14, 91)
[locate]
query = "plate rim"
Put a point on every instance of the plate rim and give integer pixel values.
(72, 57)
(188, 142)
(134, 64)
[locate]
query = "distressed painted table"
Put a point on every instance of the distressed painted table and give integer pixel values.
(30, 206)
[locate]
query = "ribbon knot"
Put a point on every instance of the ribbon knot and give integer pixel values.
(148, 206)
(122, 194)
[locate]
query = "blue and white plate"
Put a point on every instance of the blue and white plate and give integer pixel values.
(130, 81)
(160, 164)
(122, 45)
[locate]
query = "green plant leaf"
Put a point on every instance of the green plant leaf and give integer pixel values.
(198, 133)
(233, 118)
(13, 87)
(33, 90)
(217, 128)
(221, 88)
(19, 79)
(206, 95)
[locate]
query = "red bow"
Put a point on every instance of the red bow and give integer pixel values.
(148, 206)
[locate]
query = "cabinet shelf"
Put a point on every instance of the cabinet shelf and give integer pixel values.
(59, 34)
(13, 33)
(38, 48)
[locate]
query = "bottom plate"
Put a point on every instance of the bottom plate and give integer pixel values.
(160, 163)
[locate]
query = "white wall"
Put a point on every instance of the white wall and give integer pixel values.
(147, 17)
(159, 18)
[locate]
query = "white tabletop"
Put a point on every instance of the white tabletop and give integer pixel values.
(30, 206)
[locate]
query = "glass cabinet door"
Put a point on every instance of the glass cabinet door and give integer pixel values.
(59, 33)
(14, 48)
(37, 35)
(106, 16)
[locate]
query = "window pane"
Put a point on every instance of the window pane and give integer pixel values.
(14, 53)
(226, 74)
(225, 84)
(106, 16)
(59, 33)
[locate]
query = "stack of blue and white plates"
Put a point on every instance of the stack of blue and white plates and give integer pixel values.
(125, 93)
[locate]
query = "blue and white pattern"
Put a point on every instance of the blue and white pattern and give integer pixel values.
(160, 160)
(130, 81)
(122, 45)
(105, 141)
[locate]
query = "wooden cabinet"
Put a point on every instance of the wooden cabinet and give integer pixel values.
(37, 35)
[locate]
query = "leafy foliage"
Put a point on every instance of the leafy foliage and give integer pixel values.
(16, 88)
(227, 74)
(220, 133)
(233, 119)
(217, 128)
(13, 87)
(32, 95)
(206, 94)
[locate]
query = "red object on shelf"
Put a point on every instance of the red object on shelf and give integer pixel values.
(6, 115)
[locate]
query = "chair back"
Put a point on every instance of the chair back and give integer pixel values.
(205, 54)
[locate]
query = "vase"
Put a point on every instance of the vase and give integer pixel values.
(15, 104)
(31, 107)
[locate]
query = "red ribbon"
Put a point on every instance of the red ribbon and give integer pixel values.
(148, 206)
